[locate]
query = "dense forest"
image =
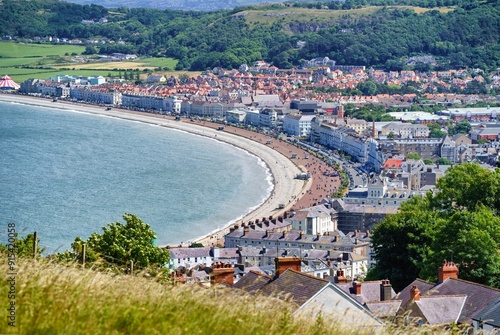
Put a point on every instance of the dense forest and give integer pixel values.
(467, 36)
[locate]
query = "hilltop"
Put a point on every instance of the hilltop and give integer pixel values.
(204, 5)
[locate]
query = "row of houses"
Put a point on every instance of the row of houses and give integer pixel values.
(362, 304)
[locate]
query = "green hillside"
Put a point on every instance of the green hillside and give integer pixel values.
(380, 33)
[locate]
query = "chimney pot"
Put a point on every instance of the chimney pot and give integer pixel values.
(340, 277)
(415, 293)
(357, 287)
(285, 263)
(385, 290)
(448, 270)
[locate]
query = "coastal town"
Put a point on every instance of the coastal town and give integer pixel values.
(343, 176)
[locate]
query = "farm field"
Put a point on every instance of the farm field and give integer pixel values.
(22, 50)
(41, 61)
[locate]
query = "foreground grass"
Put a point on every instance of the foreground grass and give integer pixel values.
(53, 299)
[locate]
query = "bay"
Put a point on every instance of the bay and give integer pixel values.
(67, 174)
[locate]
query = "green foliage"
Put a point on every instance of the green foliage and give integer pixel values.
(196, 245)
(382, 36)
(369, 113)
(463, 127)
(401, 240)
(428, 161)
(121, 243)
(413, 155)
(460, 221)
(443, 161)
(435, 130)
(468, 186)
(24, 246)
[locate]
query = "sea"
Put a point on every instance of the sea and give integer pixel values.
(66, 174)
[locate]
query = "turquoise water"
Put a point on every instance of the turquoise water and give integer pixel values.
(67, 174)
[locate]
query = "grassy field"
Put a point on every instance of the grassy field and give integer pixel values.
(21, 50)
(23, 61)
(52, 299)
(289, 14)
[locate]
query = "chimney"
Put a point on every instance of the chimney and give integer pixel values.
(340, 278)
(415, 293)
(280, 219)
(357, 287)
(246, 230)
(222, 273)
(448, 270)
(301, 235)
(385, 290)
(285, 263)
(284, 234)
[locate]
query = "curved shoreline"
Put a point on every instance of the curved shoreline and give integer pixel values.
(286, 190)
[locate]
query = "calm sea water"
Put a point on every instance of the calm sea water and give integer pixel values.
(67, 174)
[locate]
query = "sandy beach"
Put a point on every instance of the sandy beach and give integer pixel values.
(291, 192)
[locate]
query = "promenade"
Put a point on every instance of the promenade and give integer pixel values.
(288, 191)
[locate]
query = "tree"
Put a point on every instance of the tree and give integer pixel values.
(401, 240)
(467, 186)
(435, 130)
(428, 161)
(460, 220)
(121, 243)
(472, 240)
(463, 127)
(413, 155)
(24, 246)
(443, 161)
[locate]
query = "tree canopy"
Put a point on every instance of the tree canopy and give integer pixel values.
(121, 243)
(459, 221)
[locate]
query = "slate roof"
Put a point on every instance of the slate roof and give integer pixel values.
(384, 309)
(180, 253)
(370, 291)
(478, 296)
(422, 285)
(441, 309)
(228, 253)
(490, 314)
(252, 282)
(296, 286)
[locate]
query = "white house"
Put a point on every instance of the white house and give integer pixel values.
(297, 125)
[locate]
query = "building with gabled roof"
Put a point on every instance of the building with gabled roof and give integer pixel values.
(252, 282)
(461, 297)
(488, 319)
(313, 296)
